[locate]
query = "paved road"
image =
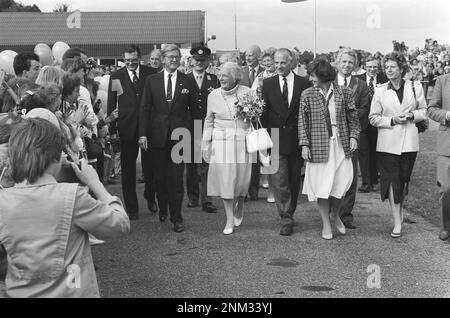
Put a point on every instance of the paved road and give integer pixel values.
(255, 261)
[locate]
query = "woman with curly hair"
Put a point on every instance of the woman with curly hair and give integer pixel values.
(396, 108)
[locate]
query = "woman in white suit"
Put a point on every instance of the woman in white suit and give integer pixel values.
(396, 108)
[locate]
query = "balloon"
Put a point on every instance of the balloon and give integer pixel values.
(42, 45)
(7, 61)
(58, 50)
(45, 54)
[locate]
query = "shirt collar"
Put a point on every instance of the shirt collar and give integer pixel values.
(137, 71)
(288, 77)
(341, 78)
(330, 91)
(166, 74)
(390, 86)
(198, 74)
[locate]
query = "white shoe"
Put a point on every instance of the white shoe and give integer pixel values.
(238, 221)
(271, 199)
(265, 186)
(228, 231)
(327, 236)
(95, 241)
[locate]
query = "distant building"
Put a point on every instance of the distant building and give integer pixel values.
(102, 35)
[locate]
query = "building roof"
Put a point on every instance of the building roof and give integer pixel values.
(30, 28)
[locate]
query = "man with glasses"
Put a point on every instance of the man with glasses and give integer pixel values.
(165, 107)
(132, 78)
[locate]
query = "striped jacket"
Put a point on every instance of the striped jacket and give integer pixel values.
(313, 117)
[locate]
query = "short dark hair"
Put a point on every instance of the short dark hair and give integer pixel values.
(131, 49)
(35, 144)
(73, 65)
(69, 84)
(33, 99)
(322, 69)
(22, 62)
(73, 52)
(400, 59)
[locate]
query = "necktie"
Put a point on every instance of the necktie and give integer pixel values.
(252, 76)
(169, 88)
(199, 80)
(327, 113)
(135, 83)
(345, 82)
(371, 88)
(285, 92)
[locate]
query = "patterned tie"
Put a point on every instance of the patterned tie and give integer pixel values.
(371, 88)
(135, 83)
(169, 88)
(345, 82)
(285, 92)
(252, 76)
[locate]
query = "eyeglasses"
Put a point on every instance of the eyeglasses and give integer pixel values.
(172, 57)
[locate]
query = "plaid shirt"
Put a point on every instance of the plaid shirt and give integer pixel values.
(313, 117)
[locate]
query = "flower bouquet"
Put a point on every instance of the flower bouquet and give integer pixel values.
(249, 108)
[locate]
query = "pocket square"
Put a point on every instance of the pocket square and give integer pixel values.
(185, 91)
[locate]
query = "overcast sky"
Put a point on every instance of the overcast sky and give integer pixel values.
(273, 23)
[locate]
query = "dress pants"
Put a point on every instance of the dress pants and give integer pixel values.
(285, 184)
(349, 200)
(196, 181)
(169, 182)
(443, 181)
(367, 155)
(128, 157)
(254, 181)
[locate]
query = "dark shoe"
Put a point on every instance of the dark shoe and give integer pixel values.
(365, 188)
(152, 206)
(286, 229)
(141, 179)
(349, 226)
(209, 207)
(192, 204)
(253, 194)
(444, 235)
(178, 227)
(133, 216)
(162, 216)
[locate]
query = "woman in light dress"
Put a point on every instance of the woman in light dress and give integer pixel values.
(223, 145)
(328, 134)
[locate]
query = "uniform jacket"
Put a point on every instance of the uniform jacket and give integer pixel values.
(312, 121)
(385, 105)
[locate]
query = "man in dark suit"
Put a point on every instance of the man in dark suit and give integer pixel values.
(250, 73)
(197, 171)
(165, 107)
(282, 97)
(346, 61)
(131, 79)
(368, 137)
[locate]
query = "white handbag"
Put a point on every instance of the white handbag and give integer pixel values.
(258, 139)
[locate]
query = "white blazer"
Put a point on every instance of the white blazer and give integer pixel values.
(385, 105)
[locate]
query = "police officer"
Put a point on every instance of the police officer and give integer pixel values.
(197, 171)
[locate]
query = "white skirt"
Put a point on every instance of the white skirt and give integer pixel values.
(330, 179)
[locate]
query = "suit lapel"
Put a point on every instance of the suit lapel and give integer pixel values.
(282, 107)
(353, 84)
(126, 82)
(178, 86)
